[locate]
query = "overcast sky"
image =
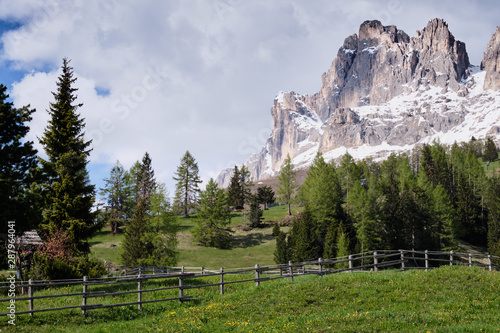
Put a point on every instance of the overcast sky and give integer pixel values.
(170, 76)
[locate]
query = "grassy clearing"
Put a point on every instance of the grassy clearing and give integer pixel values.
(493, 169)
(249, 247)
(449, 299)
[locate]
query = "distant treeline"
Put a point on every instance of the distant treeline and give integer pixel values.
(425, 199)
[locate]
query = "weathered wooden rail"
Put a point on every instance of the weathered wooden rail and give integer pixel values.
(372, 260)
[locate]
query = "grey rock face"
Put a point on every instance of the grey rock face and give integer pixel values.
(383, 88)
(373, 67)
(491, 62)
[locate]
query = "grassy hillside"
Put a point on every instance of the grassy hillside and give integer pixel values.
(493, 168)
(249, 247)
(449, 299)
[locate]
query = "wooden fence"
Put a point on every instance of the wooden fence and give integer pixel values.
(372, 260)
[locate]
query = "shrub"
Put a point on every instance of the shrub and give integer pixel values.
(46, 268)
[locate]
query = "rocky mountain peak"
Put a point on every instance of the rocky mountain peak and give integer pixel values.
(372, 33)
(385, 92)
(491, 62)
(374, 66)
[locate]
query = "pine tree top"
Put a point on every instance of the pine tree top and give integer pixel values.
(65, 131)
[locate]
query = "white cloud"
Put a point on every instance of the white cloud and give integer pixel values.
(198, 75)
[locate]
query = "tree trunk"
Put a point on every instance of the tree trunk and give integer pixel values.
(289, 212)
(186, 215)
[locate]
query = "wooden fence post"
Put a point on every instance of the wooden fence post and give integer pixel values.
(181, 291)
(426, 260)
(108, 268)
(320, 264)
(30, 295)
(202, 270)
(470, 260)
(139, 293)
(350, 263)
(451, 258)
(375, 261)
(125, 269)
(257, 275)
(221, 286)
(402, 260)
(84, 295)
(489, 262)
(290, 270)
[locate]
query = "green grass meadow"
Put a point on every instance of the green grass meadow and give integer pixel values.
(249, 247)
(448, 299)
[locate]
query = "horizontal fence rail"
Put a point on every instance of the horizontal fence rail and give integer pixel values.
(131, 280)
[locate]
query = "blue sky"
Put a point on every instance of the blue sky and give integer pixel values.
(171, 76)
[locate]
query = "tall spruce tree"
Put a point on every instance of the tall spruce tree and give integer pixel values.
(18, 166)
(287, 182)
(187, 177)
(68, 194)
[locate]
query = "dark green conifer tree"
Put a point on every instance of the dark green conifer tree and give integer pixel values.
(68, 195)
(239, 188)
(255, 213)
(20, 199)
(490, 150)
(18, 168)
(265, 195)
(330, 246)
(304, 244)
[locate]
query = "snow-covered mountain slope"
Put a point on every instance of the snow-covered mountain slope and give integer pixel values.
(395, 93)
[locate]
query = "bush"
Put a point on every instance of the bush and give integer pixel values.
(45, 268)
(212, 236)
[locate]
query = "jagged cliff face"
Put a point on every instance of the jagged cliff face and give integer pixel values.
(491, 62)
(381, 62)
(385, 92)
